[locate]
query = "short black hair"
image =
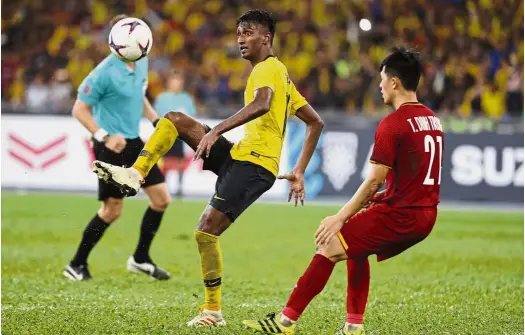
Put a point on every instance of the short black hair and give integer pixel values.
(262, 17)
(404, 63)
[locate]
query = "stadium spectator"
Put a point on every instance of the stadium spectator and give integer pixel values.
(320, 81)
(460, 40)
(38, 95)
(515, 90)
(493, 101)
(60, 92)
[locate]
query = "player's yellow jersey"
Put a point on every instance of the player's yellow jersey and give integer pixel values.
(264, 137)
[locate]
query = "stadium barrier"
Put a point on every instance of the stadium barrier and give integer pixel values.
(54, 153)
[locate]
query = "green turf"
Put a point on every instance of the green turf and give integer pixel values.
(466, 278)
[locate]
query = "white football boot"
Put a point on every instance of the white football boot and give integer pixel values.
(207, 318)
(128, 180)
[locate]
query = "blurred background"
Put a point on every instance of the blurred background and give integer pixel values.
(468, 271)
(473, 54)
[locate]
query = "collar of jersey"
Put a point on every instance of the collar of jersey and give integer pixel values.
(411, 103)
(122, 66)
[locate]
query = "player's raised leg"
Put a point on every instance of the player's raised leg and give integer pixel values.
(110, 211)
(171, 126)
(311, 283)
(141, 261)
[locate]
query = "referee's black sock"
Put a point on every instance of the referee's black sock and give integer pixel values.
(150, 225)
(92, 234)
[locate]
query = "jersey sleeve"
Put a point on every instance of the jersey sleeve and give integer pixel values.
(296, 100)
(190, 106)
(385, 143)
(264, 75)
(92, 88)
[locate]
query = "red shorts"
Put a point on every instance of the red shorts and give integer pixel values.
(385, 231)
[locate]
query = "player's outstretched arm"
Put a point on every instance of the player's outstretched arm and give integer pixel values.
(332, 224)
(258, 107)
(314, 127)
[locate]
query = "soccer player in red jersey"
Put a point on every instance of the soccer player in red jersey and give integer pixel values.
(407, 154)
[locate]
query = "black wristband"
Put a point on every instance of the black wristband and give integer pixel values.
(155, 122)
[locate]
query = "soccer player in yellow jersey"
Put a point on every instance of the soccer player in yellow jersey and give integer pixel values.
(245, 170)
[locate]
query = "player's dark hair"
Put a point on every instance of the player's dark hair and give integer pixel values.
(261, 17)
(116, 19)
(405, 64)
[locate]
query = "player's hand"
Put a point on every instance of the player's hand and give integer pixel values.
(116, 143)
(296, 180)
(205, 145)
(328, 228)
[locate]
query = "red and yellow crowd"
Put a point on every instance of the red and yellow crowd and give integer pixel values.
(473, 50)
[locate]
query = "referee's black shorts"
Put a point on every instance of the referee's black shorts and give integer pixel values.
(126, 158)
(239, 183)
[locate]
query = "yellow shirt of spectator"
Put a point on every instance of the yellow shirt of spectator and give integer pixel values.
(264, 136)
(493, 102)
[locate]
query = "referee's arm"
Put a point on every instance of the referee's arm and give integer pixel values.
(82, 112)
(149, 112)
(89, 94)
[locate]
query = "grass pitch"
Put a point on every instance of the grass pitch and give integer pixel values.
(466, 278)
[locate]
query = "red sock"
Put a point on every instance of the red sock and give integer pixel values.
(309, 285)
(357, 293)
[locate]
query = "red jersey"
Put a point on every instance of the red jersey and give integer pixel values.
(410, 142)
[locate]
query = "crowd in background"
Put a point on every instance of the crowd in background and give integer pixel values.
(472, 49)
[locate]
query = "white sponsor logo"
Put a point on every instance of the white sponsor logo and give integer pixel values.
(472, 165)
(339, 157)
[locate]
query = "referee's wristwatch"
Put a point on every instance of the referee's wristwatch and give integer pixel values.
(101, 135)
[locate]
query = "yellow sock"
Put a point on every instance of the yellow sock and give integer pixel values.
(211, 263)
(157, 146)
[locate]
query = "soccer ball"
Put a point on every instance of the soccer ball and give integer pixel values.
(130, 39)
